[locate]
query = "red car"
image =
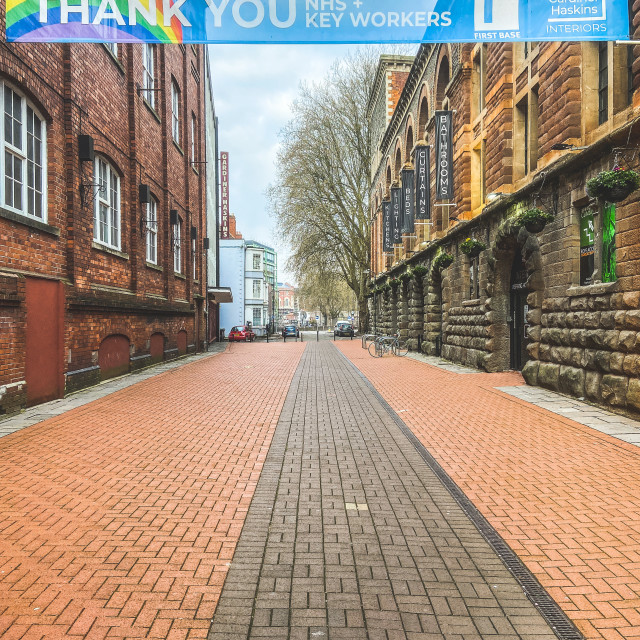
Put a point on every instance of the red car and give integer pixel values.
(241, 333)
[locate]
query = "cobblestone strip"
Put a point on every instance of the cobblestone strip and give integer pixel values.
(563, 496)
(351, 535)
(119, 518)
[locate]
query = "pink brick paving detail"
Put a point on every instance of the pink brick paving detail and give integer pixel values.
(565, 497)
(118, 519)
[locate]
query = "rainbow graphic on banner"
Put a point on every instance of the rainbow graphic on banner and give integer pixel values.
(23, 16)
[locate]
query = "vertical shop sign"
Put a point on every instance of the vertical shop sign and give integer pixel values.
(387, 240)
(408, 199)
(396, 215)
(423, 183)
(609, 243)
(444, 155)
(224, 193)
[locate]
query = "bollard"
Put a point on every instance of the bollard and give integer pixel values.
(301, 336)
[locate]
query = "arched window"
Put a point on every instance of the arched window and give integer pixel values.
(423, 118)
(443, 81)
(22, 156)
(106, 222)
(408, 144)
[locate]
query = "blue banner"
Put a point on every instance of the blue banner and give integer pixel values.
(314, 21)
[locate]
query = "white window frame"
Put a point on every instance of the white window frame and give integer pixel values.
(113, 47)
(152, 231)
(193, 139)
(148, 74)
(259, 313)
(177, 247)
(253, 263)
(22, 153)
(106, 210)
(257, 294)
(193, 254)
(175, 112)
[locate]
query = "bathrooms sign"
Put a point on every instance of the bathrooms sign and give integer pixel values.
(314, 21)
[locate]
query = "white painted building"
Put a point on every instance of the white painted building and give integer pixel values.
(242, 268)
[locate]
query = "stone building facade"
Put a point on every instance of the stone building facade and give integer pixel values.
(102, 213)
(532, 123)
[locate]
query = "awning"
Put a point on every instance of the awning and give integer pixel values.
(220, 294)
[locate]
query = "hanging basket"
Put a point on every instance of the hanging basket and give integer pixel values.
(472, 248)
(613, 186)
(534, 220)
(535, 226)
(618, 193)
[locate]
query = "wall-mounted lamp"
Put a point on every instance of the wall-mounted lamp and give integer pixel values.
(194, 233)
(564, 146)
(205, 244)
(173, 217)
(85, 148)
(144, 193)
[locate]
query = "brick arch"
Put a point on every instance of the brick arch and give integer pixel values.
(181, 340)
(409, 139)
(509, 239)
(101, 151)
(443, 74)
(113, 356)
(23, 89)
(156, 346)
(423, 112)
(397, 160)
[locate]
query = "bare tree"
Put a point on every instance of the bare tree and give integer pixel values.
(320, 200)
(325, 291)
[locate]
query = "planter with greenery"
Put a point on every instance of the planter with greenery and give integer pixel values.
(394, 283)
(614, 185)
(419, 271)
(406, 276)
(472, 247)
(534, 220)
(442, 261)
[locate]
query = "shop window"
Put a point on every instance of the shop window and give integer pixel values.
(598, 265)
(587, 246)
(474, 278)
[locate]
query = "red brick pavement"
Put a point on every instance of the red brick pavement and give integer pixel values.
(118, 519)
(565, 497)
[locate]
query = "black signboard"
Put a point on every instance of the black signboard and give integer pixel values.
(387, 240)
(423, 183)
(396, 215)
(444, 155)
(408, 200)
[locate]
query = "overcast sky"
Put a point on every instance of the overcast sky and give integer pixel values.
(254, 86)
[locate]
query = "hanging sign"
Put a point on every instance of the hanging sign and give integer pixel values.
(408, 200)
(224, 193)
(423, 183)
(387, 240)
(444, 155)
(396, 215)
(314, 21)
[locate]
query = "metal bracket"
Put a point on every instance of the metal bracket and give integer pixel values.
(85, 188)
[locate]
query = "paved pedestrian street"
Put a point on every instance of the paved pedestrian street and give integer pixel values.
(289, 490)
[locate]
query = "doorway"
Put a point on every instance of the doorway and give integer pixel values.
(518, 313)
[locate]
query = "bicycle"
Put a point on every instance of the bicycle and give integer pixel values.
(386, 344)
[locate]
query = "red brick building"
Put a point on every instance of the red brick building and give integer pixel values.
(532, 123)
(102, 213)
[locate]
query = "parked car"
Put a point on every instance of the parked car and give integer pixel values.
(241, 333)
(290, 331)
(343, 328)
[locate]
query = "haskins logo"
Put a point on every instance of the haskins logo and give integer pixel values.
(496, 15)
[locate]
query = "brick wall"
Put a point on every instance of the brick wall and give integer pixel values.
(106, 291)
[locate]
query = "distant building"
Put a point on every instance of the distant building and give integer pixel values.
(289, 305)
(248, 268)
